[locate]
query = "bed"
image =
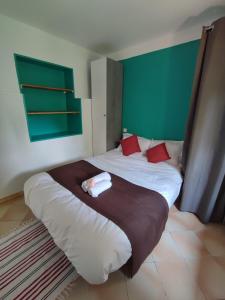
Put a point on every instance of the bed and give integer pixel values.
(94, 244)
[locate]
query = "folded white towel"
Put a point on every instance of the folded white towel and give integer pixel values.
(100, 177)
(91, 182)
(99, 188)
(84, 186)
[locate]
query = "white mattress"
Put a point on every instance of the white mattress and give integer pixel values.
(95, 245)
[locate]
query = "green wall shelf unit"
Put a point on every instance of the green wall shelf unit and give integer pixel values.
(52, 111)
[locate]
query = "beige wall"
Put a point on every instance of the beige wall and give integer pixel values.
(19, 158)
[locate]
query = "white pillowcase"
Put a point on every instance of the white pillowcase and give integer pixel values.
(174, 149)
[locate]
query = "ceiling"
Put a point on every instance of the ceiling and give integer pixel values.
(105, 26)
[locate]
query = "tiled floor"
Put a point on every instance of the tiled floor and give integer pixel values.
(187, 264)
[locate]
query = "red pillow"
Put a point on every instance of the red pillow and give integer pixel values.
(130, 145)
(158, 153)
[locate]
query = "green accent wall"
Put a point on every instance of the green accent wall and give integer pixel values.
(157, 90)
(48, 126)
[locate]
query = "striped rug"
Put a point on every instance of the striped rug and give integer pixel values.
(32, 267)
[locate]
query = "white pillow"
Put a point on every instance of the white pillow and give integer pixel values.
(174, 149)
(143, 142)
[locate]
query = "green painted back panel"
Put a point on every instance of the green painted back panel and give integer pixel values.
(157, 90)
(44, 75)
(34, 71)
(40, 127)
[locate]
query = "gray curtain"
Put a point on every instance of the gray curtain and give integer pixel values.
(204, 148)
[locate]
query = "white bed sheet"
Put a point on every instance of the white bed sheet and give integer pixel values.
(162, 177)
(95, 245)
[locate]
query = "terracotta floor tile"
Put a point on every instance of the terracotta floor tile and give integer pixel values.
(220, 260)
(80, 291)
(182, 221)
(189, 244)
(146, 284)
(149, 259)
(210, 275)
(29, 216)
(15, 214)
(5, 204)
(166, 249)
(213, 237)
(173, 210)
(18, 201)
(114, 288)
(7, 226)
(3, 210)
(14, 202)
(178, 282)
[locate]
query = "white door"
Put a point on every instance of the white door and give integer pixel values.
(98, 89)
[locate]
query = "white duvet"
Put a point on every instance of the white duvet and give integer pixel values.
(93, 243)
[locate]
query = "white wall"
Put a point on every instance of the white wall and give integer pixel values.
(19, 158)
(168, 40)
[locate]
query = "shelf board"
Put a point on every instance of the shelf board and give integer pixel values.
(42, 137)
(43, 87)
(53, 112)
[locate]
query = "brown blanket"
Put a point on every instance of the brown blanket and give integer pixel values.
(139, 212)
